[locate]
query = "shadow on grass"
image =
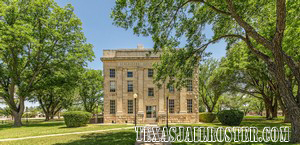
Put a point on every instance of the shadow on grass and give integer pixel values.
(33, 124)
(110, 138)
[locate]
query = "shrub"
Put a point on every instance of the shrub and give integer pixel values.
(76, 118)
(231, 117)
(207, 117)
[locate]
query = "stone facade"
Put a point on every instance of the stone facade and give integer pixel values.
(117, 64)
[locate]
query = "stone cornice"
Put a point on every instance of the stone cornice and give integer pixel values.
(129, 58)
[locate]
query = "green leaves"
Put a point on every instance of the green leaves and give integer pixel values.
(38, 41)
(91, 89)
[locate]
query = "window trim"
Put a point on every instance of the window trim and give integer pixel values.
(129, 90)
(150, 76)
(171, 106)
(149, 92)
(130, 108)
(131, 74)
(110, 86)
(189, 107)
(110, 73)
(112, 107)
(189, 86)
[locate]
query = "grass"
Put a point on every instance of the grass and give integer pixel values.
(39, 127)
(124, 137)
(121, 137)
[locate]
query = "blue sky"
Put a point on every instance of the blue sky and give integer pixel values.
(99, 31)
(98, 28)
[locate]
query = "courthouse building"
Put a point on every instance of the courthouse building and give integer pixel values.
(129, 73)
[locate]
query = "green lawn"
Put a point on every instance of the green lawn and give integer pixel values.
(39, 127)
(122, 137)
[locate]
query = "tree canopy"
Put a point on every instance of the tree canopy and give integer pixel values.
(91, 89)
(36, 35)
(266, 27)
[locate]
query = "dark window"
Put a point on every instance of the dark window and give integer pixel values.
(130, 86)
(150, 92)
(150, 73)
(112, 86)
(190, 85)
(130, 106)
(112, 107)
(112, 73)
(190, 105)
(130, 74)
(171, 106)
(171, 89)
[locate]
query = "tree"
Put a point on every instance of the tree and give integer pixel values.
(35, 35)
(251, 77)
(210, 83)
(266, 27)
(57, 91)
(91, 89)
(257, 105)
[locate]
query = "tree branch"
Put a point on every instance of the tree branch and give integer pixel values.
(280, 21)
(248, 28)
(212, 7)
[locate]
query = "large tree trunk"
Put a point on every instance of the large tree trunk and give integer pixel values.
(18, 112)
(286, 91)
(17, 118)
(295, 121)
(274, 109)
(287, 118)
(268, 109)
(47, 116)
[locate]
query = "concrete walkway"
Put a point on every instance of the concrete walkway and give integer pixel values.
(62, 134)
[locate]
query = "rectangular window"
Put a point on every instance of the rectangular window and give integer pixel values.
(150, 92)
(130, 106)
(130, 74)
(171, 89)
(112, 86)
(190, 85)
(130, 86)
(150, 73)
(112, 73)
(112, 107)
(189, 105)
(171, 106)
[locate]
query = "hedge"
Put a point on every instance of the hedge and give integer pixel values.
(231, 117)
(207, 117)
(77, 118)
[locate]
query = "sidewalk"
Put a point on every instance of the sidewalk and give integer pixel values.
(62, 134)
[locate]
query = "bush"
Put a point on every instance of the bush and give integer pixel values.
(76, 118)
(231, 117)
(207, 117)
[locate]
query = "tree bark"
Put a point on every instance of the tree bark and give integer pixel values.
(295, 121)
(287, 118)
(274, 110)
(47, 116)
(17, 118)
(268, 109)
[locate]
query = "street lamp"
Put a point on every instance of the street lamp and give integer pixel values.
(135, 96)
(167, 110)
